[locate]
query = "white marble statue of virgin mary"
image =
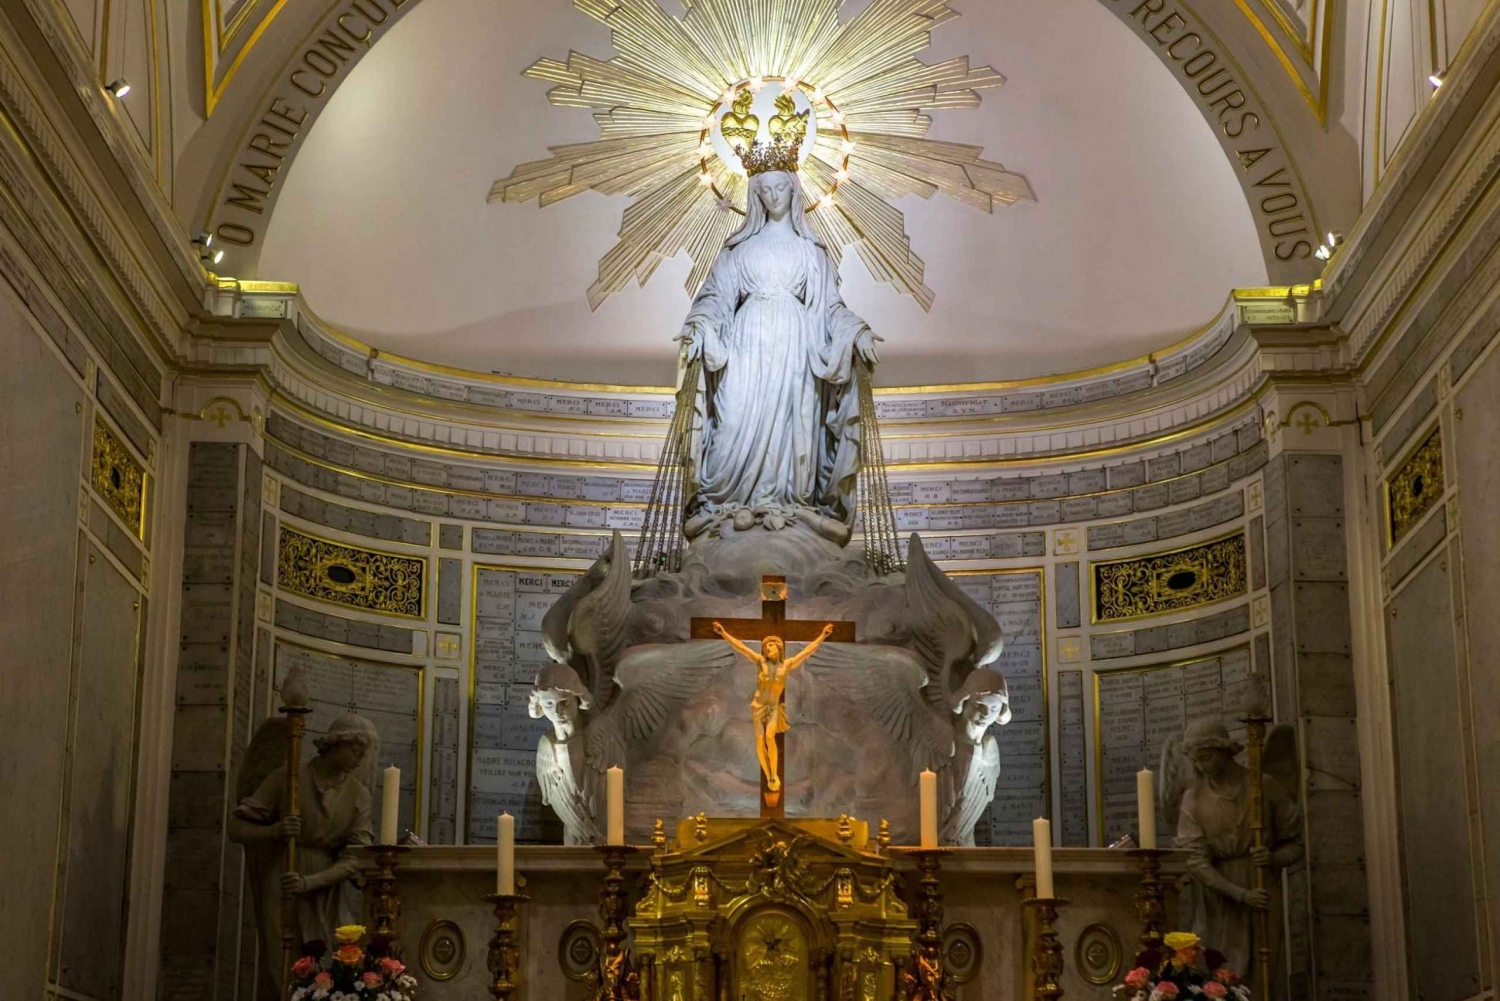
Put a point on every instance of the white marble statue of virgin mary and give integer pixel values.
(777, 423)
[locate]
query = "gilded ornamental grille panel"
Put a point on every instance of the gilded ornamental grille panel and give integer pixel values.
(1169, 582)
(347, 575)
(118, 478)
(1415, 486)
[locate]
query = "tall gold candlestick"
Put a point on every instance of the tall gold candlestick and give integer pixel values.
(504, 958)
(296, 717)
(1149, 906)
(385, 902)
(927, 980)
(616, 980)
(1255, 721)
(1046, 949)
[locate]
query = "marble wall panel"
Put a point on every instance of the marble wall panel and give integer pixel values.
(1478, 526)
(1068, 606)
(1430, 769)
(1473, 345)
(1396, 440)
(1412, 549)
(450, 591)
(40, 455)
(102, 783)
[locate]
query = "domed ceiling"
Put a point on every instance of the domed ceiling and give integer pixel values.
(1137, 232)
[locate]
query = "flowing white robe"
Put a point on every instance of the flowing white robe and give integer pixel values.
(778, 408)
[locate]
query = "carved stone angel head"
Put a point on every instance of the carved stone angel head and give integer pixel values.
(982, 701)
(560, 695)
(347, 742)
(1209, 747)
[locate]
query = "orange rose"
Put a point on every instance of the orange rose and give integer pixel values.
(349, 955)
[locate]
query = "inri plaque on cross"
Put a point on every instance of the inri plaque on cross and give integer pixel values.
(773, 622)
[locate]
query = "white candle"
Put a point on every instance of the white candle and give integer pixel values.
(615, 830)
(928, 787)
(390, 804)
(505, 848)
(1145, 806)
(1041, 835)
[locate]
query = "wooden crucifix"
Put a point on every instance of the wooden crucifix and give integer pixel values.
(770, 720)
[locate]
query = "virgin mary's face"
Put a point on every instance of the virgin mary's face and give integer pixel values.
(776, 193)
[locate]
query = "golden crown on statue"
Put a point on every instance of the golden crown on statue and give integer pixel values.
(787, 128)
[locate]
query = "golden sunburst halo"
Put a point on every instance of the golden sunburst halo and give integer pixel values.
(659, 101)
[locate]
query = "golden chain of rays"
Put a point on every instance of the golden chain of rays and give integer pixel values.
(650, 101)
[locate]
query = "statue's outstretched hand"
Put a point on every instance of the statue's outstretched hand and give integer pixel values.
(719, 628)
(690, 342)
(864, 344)
(828, 630)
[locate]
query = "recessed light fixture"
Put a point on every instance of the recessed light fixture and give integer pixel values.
(216, 256)
(1323, 253)
(1436, 80)
(118, 87)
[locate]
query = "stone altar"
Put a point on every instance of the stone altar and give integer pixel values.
(442, 890)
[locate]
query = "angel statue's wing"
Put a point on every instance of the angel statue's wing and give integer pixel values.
(1173, 777)
(590, 623)
(266, 754)
(655, 682)
(952, 633)
(555, 623)
(888, 683)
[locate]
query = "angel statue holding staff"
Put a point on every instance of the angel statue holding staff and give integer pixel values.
(767, 711)
(777, 411)
(334, 818)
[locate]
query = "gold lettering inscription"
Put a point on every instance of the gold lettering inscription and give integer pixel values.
(1210, 77)
(251, 189)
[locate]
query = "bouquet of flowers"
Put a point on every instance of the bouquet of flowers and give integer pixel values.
(350, 973)
(1182, 971)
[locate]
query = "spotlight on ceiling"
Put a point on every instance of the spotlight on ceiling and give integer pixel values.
(206, 253)
(1323, 252)
(1436, 80)
(118, 87)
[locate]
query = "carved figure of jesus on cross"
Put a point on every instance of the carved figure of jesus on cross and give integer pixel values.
(768, 709)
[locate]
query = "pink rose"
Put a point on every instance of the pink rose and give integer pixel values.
(1166, 989)
(1214, 989)
(323, 981)
(392, 967)
(1138, 977)
(372, 979)
(303, 967)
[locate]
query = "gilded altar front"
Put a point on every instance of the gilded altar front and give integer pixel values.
(772, 910)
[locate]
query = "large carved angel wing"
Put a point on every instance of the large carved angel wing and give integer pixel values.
(888, 682)
(952, 633)
(266, 754)
(654, 682)
(589, 626)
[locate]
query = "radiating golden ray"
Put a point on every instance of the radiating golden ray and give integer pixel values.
(668, 73)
